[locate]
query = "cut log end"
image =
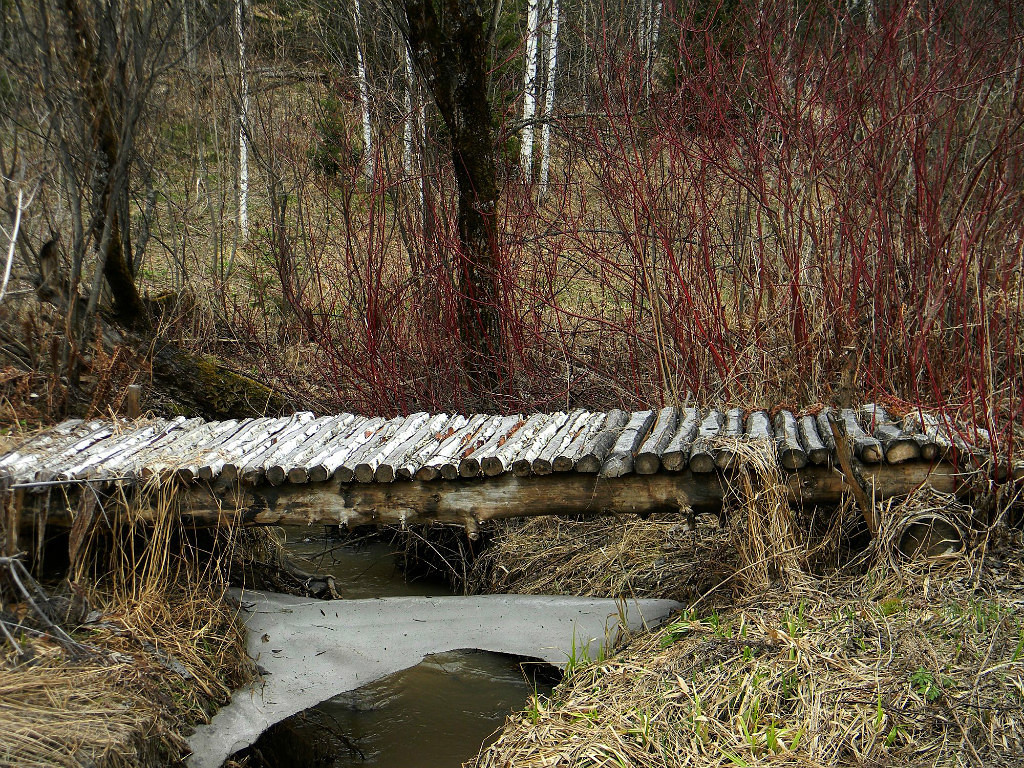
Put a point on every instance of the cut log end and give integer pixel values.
(792, 459)
(318, 474)
(819, 455)
(385, 473)
(298, 475)
(542, 467)
(646, 463)
(469, 467)
(426, 474)
(702, 462)
(492, 466)
(562, 464)
(588, 464)
(521, 468)
(901, 451)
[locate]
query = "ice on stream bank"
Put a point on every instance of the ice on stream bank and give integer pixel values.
(313, 650)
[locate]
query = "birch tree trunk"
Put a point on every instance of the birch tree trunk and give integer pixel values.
(410, 115)
(243, 115)
(364, 92)
(529, 93)
(549, 101)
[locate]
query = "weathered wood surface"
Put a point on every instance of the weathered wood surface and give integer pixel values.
(302, 449)
(508, 496)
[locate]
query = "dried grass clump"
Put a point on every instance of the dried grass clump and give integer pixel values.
(160, 648)
(775, 681)
(665, 555)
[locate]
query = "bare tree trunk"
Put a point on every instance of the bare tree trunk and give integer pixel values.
(529, 93)
(364, 92)
(549, 101)
(449, 46)
(106, 226)
(243, 114)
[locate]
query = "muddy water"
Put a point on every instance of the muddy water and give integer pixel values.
(434, 715)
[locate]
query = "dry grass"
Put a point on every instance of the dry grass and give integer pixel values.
(891, 661)
(922, 669)
(160, 649)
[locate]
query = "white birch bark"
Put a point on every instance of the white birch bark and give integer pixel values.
(243, 116)
(529, 93)
(364, 92)
(549, 101)
(410, 115)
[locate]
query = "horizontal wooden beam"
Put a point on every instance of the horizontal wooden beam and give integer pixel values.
(471, 501)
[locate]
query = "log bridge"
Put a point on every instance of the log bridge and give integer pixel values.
(354, 470)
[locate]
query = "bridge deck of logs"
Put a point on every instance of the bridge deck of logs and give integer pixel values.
(350, 469)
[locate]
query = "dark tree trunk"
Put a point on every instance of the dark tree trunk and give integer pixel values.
(99, 83)
(449, 46)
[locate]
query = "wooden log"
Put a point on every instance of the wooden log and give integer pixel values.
(207, 466)
(366, 468)
(867, 448)
(348, 442)
(897, 445)
(346, 471)
(490, 439)
(825, 429)
(817, 453)
(565, 459)
(444, 461)
(759, 426)
(732, 432)
(128, 464)
(510, 496)
(295, 467)
(217, 455)
(677, 452)
(47, 469)
(254, 465)
(620, 460)
(702, 454)
(601, 444)
(80, 468)
(791, 453)
(387, 467)
(501, 458)
(522, 465)
(574, 423)
(648, 457)
(454, 426)
(187, 451)
(22, 463)
(259, 443)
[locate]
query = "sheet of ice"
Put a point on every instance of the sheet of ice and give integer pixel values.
(314, 649)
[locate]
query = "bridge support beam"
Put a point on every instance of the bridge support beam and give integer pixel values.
(469, 502)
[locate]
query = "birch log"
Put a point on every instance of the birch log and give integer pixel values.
(702, 454)
(791, 453)
(620, 460)
(601, 444)
(417, 459)
(366, 469)
(897, 445)
(648, 457)
(574, 423)
(677, 452)
(387, 466)
(817, 453)
(500, 460)
(523, 463)
(444, 462)
(566, 458)
(732, 432)
(503, 431)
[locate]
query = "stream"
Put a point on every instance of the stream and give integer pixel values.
(398, 674)
(434, 715)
